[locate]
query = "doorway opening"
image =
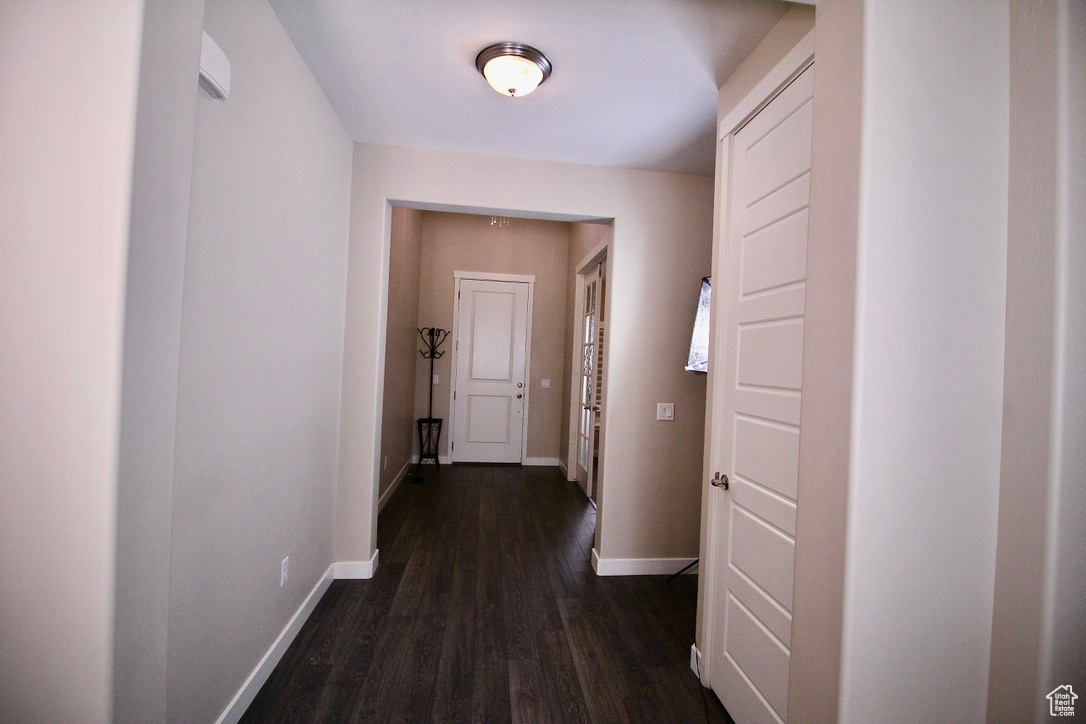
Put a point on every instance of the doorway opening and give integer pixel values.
(428, 251)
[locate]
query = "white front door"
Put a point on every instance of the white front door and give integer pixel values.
(758, 391)
(490, 377)
(589, 380)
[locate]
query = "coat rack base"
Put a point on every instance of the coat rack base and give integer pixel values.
(429, 429)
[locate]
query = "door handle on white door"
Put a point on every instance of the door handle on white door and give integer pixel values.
(519, 395)
(720, 481)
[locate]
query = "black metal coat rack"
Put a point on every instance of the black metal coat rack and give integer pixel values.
(429, 427)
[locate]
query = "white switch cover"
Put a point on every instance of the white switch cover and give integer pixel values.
(545, 384)
(284, 571)
(435, 379)
(665, 410)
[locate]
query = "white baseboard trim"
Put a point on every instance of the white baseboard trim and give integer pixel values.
(248, 691)
(400, 477)
(562, 466)
(695, 661)
(637, 566)
(356, 570)
(543, 462)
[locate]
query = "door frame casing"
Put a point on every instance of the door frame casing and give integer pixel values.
(598, 254)
(529, 279)
(788, 69)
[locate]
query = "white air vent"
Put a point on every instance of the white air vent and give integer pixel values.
(214, 69)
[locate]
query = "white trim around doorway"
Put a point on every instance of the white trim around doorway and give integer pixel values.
(776, 80)
(597, 254)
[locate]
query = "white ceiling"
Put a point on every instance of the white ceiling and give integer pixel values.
(634, 82)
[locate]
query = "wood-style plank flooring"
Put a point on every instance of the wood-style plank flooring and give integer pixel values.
(485, 608)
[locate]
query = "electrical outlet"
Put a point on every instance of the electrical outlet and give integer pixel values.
(284, 571)
(435, 378)
(665, 411)
(545, 384)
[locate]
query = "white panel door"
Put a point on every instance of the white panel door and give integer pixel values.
(752, 537)
(489, 385)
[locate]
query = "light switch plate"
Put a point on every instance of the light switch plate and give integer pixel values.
(665, 411)
(435, 379)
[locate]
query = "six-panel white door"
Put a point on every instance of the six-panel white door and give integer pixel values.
(489, 385)
(752, 534)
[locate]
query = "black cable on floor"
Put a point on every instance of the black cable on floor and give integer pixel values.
(685, 568)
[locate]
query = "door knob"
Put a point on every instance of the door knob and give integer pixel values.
(519, 395)
(720, 481)
(519, 385)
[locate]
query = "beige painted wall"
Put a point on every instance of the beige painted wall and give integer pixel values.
(662, 232)
(930, 299)
(1015, 682)
(398, 414)
(165, 124)
(260, 363)
(66, 142)
(468, 242)
(789, 30)
(825, 445)
(815, 673)
(1038, 632)
(911, 290)
(583, 239)
(1065, 647)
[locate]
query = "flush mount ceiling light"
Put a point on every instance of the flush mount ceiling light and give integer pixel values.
(513, 69)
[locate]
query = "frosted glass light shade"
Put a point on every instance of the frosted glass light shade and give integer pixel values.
(513, 69)
(513, 76)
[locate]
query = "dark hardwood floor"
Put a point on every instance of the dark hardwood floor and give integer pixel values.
(485, 608)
